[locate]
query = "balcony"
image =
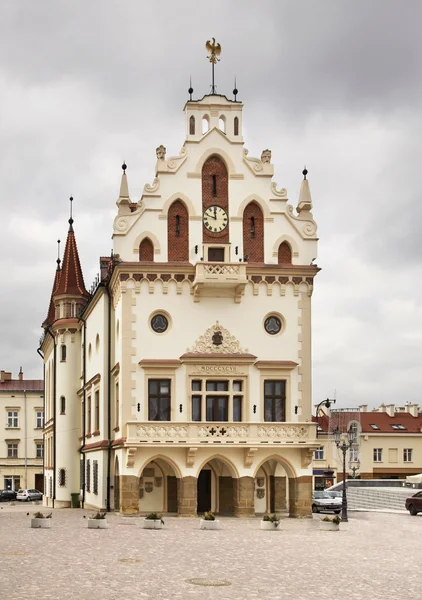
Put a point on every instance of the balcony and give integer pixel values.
(206, 433)
(218, 280)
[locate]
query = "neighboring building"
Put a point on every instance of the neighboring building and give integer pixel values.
(185, 384)
(389, 445)
(21, 436)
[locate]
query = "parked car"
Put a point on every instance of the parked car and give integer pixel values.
(414, 503)
(28, 495)
(7, 495)
(323, 501)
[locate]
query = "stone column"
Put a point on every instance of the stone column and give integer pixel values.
(243, 497)
(187, 496)
(280, 488)
(300, 496)
(129, 494)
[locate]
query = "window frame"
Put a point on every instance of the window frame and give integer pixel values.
(407, 455)
(39, 449)
(377, 455)
(320, 452)
(39, 419)
(13, 417)
(160, 398)
(235, 387)
(12, 449)
(273, 396)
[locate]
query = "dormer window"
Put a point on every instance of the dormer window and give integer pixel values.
(192, 125)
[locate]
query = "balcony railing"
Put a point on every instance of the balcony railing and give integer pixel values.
(210, 277)
(198, 433)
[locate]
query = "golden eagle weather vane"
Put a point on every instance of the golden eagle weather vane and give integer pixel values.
(215, 51)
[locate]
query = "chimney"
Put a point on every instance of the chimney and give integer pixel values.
(20, 375)
(5, 376)
(390, 409)
(363, 408)
(412, 409)
(381, 408)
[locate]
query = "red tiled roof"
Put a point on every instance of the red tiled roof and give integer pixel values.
(71, 279)
(19, 385)
(382, 420)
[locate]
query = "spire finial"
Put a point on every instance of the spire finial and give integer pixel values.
(71, 219)
(124, 166)
(304, 172)
(235, 91)
(214, 50)
(190, 90)
(58, 261)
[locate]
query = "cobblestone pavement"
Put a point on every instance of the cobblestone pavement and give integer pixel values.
(374, 556)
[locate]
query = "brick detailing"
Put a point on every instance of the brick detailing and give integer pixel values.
(243, 497)
(187, 496)
(178, 232)
(284, 254)
(253, 233)
(300, 496)
(146, 251)
(215, 166)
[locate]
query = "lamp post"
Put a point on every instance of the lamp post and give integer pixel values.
(327, 403)
(344, 444)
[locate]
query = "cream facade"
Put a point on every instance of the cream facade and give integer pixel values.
(389, 445)
(21, 434)
(186, 373)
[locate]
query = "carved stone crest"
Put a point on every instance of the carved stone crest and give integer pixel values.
(161, 152)
(266, 156)
(260, 493)
(260, 482)
(217, 339)
(158, 481)
(149, 486)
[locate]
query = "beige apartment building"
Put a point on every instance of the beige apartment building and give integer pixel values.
(21, 432)
(389, 444)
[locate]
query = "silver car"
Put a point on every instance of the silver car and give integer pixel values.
(28, 495)
(323, 501)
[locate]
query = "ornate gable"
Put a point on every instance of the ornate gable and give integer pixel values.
(217, 340)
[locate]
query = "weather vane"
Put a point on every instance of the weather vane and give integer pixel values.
(214, 50)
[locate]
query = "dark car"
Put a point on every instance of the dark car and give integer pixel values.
(414, 503)
(7, 495)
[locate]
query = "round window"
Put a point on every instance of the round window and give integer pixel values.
(159, 323)
(272, 325)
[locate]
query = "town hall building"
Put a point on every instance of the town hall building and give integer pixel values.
(182, 382)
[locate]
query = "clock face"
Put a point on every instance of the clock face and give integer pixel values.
(215, 219)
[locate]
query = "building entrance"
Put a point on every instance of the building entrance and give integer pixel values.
(204, 490)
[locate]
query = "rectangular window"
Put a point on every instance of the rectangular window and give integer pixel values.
(97, 410)
(95, 476)
(319, 453)
(217, 408)
(88, 416)
(196, 385)
(373, 426)
(216, 254)
(237, 408)
(62, 353)
(377, 454)
(12, 418)
(196, 408)
(39, 450)
(217, 386)
(12, 451)
(62, 405)
(407, 454)
(274, 400)
(354, 454)
(159, 400)
(88, 475)
(40, 419)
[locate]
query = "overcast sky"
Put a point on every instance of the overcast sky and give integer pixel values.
(334, 84)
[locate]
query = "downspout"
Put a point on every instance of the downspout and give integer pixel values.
(83, 415)
(54, 413)
(43, 408)
(108, 399)
(25, 477)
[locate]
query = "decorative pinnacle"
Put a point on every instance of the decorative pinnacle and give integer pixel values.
(71, 219)
(58, 261)
(215, 51)
(235, 91)
(124, 166)
(190, 90)
(305, 172)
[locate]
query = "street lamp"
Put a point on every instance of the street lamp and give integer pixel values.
(354, 466)
(327, 403)
(344, 444)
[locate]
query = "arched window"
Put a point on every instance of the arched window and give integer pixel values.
(214, 184)
(284, 254)
(236, 126)
(222, 123)
(253, 233)
(205, 124)
(146, 251)
(63, 352)
(62, 405)
(215, 181)
(178, 232)
(192, 125)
